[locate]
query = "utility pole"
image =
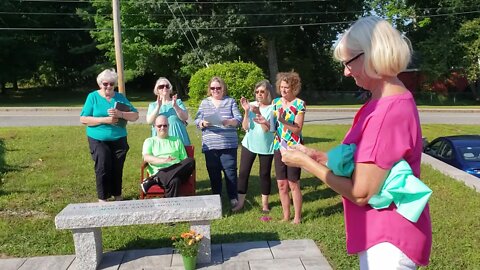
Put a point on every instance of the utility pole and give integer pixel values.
(117, 36)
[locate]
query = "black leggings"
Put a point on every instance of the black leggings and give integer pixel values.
(246, 161)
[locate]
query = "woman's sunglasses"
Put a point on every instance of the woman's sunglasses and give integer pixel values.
(161, 86)
(108, 83)
(216, 88)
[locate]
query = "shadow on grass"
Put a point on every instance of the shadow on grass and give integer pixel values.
(312, 140)
(323, 212)
(203, 187)
(312, 183)
(244, 237)
(4, 167)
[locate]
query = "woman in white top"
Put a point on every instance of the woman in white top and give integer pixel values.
(258, 140)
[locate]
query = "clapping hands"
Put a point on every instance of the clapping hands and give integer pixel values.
(174, 100)
(245, 104)
(281, 117)
(259, 119)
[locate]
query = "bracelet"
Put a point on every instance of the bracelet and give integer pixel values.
(122, 115)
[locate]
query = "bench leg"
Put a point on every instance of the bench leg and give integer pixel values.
(205, 251)
(88, 247)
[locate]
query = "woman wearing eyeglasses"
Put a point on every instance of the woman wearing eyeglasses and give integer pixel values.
(258, 140)
(385, 131)
(218, 117)
(107, 134)
(170, 106)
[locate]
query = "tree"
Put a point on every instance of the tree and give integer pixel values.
(37, 55)
(19, 57)
(469, 38)
(444, 33)
(177, 39)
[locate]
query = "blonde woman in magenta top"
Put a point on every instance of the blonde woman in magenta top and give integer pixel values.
(386, 129)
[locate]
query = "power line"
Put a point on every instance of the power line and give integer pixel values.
(449, 14)
(185, 34)
(186, 15)
(220, 15)
(157, 29)
(213, 28)
(190, 29)
(196, 2)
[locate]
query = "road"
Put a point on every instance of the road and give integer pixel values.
(70, 116)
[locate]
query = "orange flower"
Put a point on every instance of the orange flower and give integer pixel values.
(188, 244)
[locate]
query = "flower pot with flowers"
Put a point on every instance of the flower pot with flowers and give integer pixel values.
(187, 245)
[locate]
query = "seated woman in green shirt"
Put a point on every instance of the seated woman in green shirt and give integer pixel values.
(169, 165)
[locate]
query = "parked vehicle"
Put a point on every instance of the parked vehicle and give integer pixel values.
(462, 152)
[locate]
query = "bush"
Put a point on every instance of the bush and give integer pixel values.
(240, 78)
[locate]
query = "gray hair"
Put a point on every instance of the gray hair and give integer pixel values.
(268, 86)
(108, 75)
(155, 91)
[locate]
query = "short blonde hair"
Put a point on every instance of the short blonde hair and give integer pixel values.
(108, 75)
(386, 51)
(155, 91)
(268, 87)
(293, 80)
(220, 81)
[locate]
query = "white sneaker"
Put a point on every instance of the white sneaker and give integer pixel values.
(233, 202)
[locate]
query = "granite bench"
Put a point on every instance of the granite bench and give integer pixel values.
(86, 220)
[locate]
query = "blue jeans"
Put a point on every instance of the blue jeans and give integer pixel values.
(222, 160)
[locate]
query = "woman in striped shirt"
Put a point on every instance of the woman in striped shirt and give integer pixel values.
(218, 117)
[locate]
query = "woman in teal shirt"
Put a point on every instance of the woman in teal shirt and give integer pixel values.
(258, 140)
(170, 106)
(107, 134)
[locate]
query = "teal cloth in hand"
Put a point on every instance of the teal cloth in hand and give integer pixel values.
(401, 187)
(340, 159)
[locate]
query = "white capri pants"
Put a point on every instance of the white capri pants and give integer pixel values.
(385, 256)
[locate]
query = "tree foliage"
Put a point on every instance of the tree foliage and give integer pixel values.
(239, 77)
(176, 39)
(444, 33)
(39, 55)
(469, 38)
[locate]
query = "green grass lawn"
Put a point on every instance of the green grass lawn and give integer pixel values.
(43, 169)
